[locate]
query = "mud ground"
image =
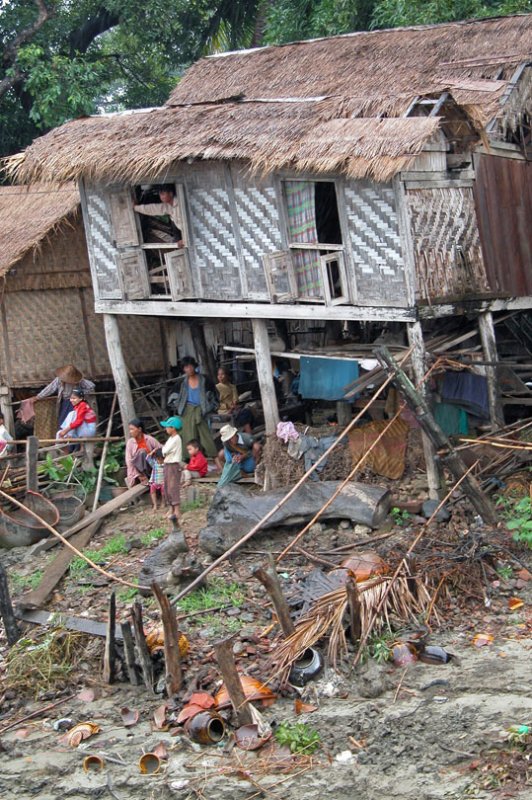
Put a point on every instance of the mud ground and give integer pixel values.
(425, 732)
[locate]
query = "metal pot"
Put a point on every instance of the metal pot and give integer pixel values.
(306, 668)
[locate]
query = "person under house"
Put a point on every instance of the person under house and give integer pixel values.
(169, 206)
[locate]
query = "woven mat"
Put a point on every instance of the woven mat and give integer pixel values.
(388, 456)
(45, 418)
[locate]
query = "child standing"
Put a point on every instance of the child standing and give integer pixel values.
(156, 482)
(173, 466)
(197, 467)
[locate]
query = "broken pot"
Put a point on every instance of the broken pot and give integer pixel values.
(206, 727)
(306, 668)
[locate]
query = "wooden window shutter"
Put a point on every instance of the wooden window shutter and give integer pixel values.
(334, 279)
(123, 220)
(280, 276)
(134, 275)
(179, 274)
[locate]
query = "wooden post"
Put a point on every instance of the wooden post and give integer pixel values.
(486, 330)
(263, 360)
(13, 632)
(7, 409)
(343, 413)
(129, 653)
(418, 360)
(104, 455)
(172, 661)
(449, 456)
(32, 452)
(142, 648)
(119, 369)
(270, 580)
(226, 662)
(205, 355)
(109, 658)
(353, 602)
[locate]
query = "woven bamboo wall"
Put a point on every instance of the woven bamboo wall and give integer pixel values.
(449, 262)
(46, 329)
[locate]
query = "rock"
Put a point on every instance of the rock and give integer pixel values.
(373, 680)
(158, 563)
(238, 648)
(429, 507)
(345, 524)
(361, 530)
(247, 616)
(235, 510)
(316, 529)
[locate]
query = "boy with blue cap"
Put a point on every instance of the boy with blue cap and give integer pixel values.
(173, 466)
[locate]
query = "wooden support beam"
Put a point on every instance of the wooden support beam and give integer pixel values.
(486, 330)
(7, 409)
(119, 369)
(263, 360)
(32, 453)
(109, 658)
(226, 661)
(12, 630)
(270, 580)
(172, 661)
(104, 454)
(452, 460)
(419, 367)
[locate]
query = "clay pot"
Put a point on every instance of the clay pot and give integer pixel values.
(93, 764)
(206, 728)
(306, 668)
(149, 764)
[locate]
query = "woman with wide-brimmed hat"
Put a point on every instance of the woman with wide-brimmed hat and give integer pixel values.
(66, 379)
(242, 454)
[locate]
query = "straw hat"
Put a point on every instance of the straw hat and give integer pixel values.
(227, 432)
(69, 374)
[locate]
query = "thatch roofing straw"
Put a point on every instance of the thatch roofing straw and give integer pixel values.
(376, 64)
(29, 214)
(330, 105)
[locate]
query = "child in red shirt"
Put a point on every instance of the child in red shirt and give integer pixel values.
(197, 466)
(81, 422)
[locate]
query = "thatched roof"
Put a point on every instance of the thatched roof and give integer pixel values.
(328, 105)
(29, 214)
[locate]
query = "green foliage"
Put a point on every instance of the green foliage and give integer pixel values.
(128, 594)
(115, 546)
(399, 517)
(505, 572)
(193, 505)
(152, 536)
(217, 594)
(380, 650)
(24, 582)
(518, 517)
(299, 737)
(58, 470)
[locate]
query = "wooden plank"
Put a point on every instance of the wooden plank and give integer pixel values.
(55, 619)
(109, 658)
(32, 453)
(99, 514)
(7, 614)
(233, 684)
(172, 661)
(489, 346)
(55, 571)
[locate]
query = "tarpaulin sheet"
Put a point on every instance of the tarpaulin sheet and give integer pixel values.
(326, 378)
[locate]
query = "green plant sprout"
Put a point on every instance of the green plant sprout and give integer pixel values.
(399, 516)
(299, 737)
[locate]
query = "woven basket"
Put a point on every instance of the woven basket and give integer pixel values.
(46, 418)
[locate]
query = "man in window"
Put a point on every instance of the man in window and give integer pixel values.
(169, 206)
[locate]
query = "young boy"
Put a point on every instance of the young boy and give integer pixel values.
(197, 467)
(156, 481)
(173, 466)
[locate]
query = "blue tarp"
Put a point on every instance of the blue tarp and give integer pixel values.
(326, 378)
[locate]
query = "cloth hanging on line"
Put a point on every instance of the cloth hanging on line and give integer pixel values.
(451, 419)
(326, 378)
(467, 390)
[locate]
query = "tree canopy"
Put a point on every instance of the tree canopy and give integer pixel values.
(65, 58)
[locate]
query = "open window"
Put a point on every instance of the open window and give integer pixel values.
(152, 220)
(314, 235)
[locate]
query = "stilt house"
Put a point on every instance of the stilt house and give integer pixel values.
(381, 176)
(47, 305)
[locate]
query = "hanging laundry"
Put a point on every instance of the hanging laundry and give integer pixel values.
(467, 390)
(451, 419)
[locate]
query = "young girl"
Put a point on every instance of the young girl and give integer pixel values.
(81, 422)
(173, 458)
(156, 481)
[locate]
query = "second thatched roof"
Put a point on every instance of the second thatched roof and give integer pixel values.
(29, 214)
(329, 105)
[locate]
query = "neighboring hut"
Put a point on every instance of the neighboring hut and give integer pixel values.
(47, 308)
(367, 177)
